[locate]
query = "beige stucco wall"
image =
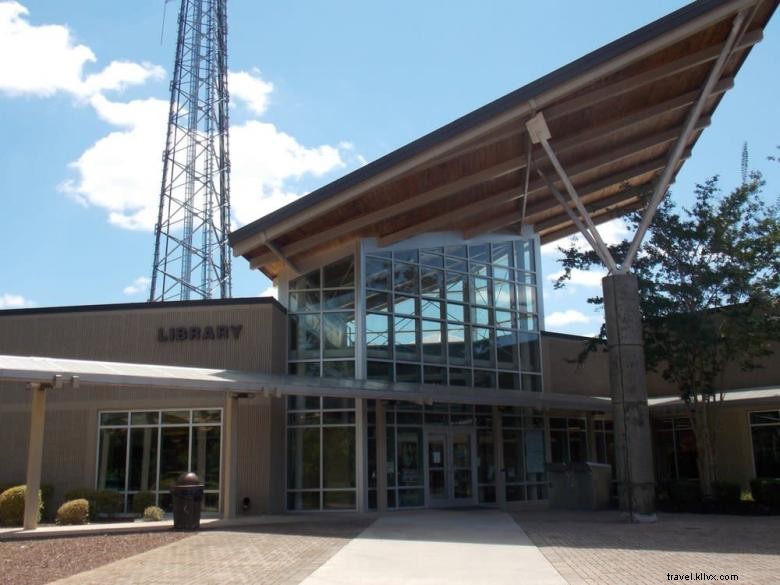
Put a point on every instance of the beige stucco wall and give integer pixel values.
(131, 335)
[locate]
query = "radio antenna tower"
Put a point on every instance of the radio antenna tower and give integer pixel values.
(191, 252)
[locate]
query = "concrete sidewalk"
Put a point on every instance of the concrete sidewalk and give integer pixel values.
(424, 547)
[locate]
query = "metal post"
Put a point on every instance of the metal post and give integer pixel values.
(360, 454)
(229, 456)
(381, 457)
(498, 440)
(34, 456)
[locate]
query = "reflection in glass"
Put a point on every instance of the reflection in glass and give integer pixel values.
(311, 369)
(502, 254)
(307, 281)
(380, 371)
(338, 299)
(506, 349)
(406, 347)
(377, 301)
(405, 278)
(304, 336)
(502, 294)
(174, 448)
(303, 458)
(430, 309)
(482, 345)
(143, 460)
(339, 274)
(456, 312)
(205, 455)
(456, 343)
(407, 373)
(456, 287)
(526, 298)
(432, 282)
(480, 252)
(481, 287)
(378, 273)
(410, 465)
(306, 301)
(378, 335)
(529, 352)
(341, 369)
(432, 339)
(338, 457)
(111, 459)
(405, 305)
(339, 334)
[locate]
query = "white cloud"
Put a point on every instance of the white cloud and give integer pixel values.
(612, 232)
(581, 277)
(13, 301)
(140, 284)
(250, 89)
(271, 291)
(561, 318)
(43, 60)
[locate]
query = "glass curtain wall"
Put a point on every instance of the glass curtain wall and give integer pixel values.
(524, 454)
(765, 432)
(675, 450)
(145, 451)
(321, 453)
(458, 315)
(568, 440)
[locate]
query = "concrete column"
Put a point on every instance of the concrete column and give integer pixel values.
(361, 438)
(381, 457)
(34, 456)
(229, 456)
(628, 384)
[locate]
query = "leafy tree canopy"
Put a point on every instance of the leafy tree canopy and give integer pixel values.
(708, 283)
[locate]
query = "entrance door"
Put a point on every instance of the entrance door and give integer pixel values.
(450, 464)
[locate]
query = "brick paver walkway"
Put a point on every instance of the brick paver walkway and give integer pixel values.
(268, 554)
(597, 548)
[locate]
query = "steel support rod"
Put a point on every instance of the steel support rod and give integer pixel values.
(666, 177)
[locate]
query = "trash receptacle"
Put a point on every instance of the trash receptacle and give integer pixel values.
(187, 497)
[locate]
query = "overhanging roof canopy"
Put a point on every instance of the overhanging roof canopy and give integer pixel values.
(68, 374)
(614, 115)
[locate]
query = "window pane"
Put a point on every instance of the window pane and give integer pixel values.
(527, 322)
(143, 460)
(482, 345)
(377, 301)
(484, 379)
(339, 274)
(456, 312)
(460, 377)
(432, 338)
(502, 294)
(304, 336)
(432, 282)
(406, 305)
(429, 259)
(480, 252)
(502, 254)
(481, 316)
(456, 251)
(503, 273)
(525, 255)
(176, 417)
(303, 402)
(205, 455)
(508, 381)
(410, 464)
(303, 458)
(339, 335)
(311, 369)
(113, 418)
(378, 273)
(481, 287)
(406, 347)
(338, 457)
(505, 319)
(301, 302)
(174, 449)
(406, 255)
(111, 459)
(457, 346)
(529, 352)
(456, 287)
(380, 371)
(455, 264)
(434, 375)
(329, 403)
(409, 373)
(343, 370)
(479, 269)
(405, 278)
(526, 298)
(338, 299)
(486, 471)
(766, 450)
(144, 418)
(431, 309)
(378, 336)
(303, 501)
(506, 349)
(513, 456)
(532, 383)
(207, 416)
(338, 500)
(764, 418)
(307, 281)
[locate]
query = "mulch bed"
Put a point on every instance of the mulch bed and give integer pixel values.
(42, 560)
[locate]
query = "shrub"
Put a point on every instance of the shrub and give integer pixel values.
(12, 506)
(141, 501)
(153, 514)
(726, 492)
(73, 512)
(103, 502)
(766, 492)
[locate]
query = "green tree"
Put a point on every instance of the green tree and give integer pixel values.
(708, 287)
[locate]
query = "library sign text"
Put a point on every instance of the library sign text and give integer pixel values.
(195, 333)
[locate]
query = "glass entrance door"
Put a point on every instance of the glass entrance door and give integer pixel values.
(450, 463)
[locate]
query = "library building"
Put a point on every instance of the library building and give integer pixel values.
(406, 363)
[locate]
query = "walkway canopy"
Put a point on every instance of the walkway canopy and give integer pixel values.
(618, 118)
(58, 373)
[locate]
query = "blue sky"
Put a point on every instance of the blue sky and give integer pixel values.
(318, 89)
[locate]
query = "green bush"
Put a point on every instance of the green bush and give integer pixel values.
(142, 500)
(766, 492)
(12, 506)
(103, 502)
(726, 492)
(73, 512)
(153, 514)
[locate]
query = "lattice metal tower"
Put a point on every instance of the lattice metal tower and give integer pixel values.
(191, 252)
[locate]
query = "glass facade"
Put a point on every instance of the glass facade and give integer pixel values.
(675, 450)
(765, 434)
(321, 470)
(145, 451)
(524, 454)
(321, 310)
(462, 315)
(568, 440)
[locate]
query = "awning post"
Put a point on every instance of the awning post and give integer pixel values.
(229, 455)
(34, 456)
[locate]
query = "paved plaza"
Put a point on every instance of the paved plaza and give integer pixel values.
(477, 546)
